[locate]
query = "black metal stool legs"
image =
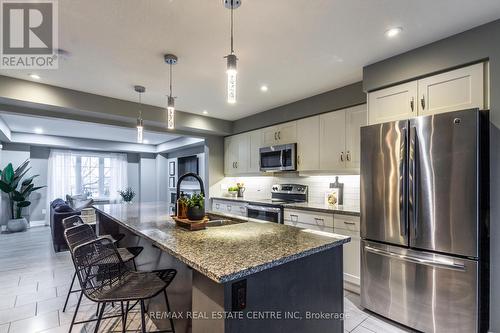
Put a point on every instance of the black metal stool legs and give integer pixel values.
(143, 318)
(96, 330)
(76, 311)
(168, 309)
(69, 291)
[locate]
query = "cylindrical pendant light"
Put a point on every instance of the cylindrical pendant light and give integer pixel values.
(170, 59)
(140, 126)
(231, 69)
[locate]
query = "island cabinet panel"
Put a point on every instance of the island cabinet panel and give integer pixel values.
(300, 288)
(349, 226)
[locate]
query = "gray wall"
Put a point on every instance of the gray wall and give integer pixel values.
(340, 98)
(468, 47)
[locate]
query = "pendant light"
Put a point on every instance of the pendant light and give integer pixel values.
(171, 60)
(140, 127)
(231, 70)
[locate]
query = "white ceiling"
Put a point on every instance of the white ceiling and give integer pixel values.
(79, 129)
(299, 48)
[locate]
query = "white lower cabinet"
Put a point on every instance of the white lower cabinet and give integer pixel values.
(346, 225)
(229, 207)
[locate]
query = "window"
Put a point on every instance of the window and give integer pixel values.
(98, 175)
(91, 176)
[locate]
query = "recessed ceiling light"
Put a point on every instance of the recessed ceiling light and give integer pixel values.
(145, 141)
(205, 112)
(264, 88)
(38, 130)
(393, 32)
(34, 76)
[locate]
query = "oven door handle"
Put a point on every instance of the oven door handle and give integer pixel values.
(264, 208)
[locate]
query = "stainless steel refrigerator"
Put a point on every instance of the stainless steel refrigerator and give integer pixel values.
(424, 195)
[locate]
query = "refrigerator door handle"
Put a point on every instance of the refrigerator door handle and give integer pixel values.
(412, 197)
(445, 264)
(402, 183)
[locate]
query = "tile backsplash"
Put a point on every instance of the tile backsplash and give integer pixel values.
(260, 187)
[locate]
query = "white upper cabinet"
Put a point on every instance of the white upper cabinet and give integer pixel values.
(394, 103)
(254, 155)
(280, 134)
(454, 90)
(308, 144)
(328, 142)
(355, 118)
(459, 89)
(236, 154)
(332, 141)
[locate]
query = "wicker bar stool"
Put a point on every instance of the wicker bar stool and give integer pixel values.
(76, 232)
(105, 279)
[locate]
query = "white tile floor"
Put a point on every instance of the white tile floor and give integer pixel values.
(34, 282)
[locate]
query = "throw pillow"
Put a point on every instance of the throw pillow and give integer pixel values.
(64, 208)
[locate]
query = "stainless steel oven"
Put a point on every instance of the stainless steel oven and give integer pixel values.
(265, 213)
(278, 158)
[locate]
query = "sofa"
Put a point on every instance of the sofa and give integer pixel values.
(59, 210)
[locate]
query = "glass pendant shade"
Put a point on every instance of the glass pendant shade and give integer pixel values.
(231, 78)
(140, 130)
(170, 113)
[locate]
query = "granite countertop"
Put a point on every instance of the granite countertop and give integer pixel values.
(222, 253)
(315, 207)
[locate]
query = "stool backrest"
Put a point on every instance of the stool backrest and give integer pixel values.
(79, 234)
(71, 221)
(98, 266)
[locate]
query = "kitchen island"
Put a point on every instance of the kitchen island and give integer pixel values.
(239, 277)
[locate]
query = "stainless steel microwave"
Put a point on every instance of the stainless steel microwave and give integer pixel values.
(279, 158)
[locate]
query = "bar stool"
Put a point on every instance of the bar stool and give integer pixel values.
(105, 279)
(76, 232)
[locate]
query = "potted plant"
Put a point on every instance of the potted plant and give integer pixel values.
(127, 194)
(18, 192)
(233, 191)
(196, 207)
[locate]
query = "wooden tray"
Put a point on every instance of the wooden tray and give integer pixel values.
(190, 224)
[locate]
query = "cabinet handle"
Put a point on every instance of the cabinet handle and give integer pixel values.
(294, 217)
(233, 165)
(318, 220)
(422, 102)
(342, 156)
(349, 223)
(275, 136)
(236, 163)
(298, 159)
(412, 104)
(279, 135)
(348, 156)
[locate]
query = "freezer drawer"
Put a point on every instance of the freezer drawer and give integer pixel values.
(425, 291)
